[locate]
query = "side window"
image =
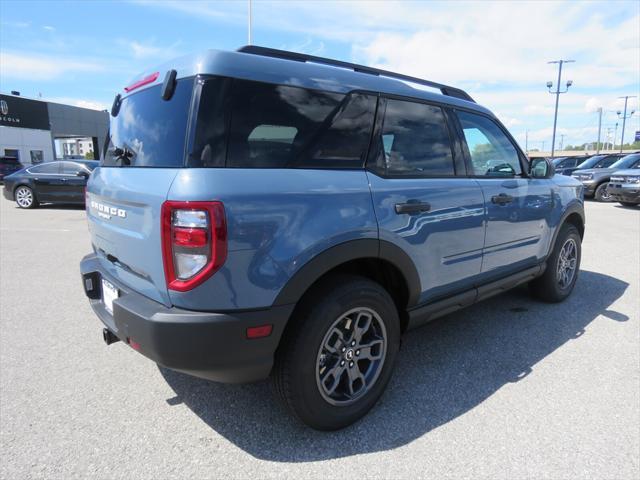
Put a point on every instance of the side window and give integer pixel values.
(414, 141)
(280, 126)
(49, 167)
(70, 168)
(491, 151)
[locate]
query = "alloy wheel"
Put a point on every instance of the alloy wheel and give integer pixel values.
(351, 356)
(567, 263)
(24, 197)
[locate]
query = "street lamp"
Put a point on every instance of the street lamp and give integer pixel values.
(557, 94)
(624, 117)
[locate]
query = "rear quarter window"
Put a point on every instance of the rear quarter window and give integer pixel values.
(247, 124)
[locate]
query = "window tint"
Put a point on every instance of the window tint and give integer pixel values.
(149, 131)
(492, 153)
(277, 126)
(71, 168)
(414, 141)
(49, 167)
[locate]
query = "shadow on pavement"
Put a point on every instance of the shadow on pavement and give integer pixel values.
(444, 369)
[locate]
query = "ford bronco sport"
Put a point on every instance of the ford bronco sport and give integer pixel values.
(263, 212)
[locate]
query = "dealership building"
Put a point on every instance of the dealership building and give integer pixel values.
(35, 131)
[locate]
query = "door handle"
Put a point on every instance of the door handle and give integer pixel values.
(412, 207)
(502, 199)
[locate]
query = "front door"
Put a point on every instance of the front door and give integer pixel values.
(75, 181)
(421, 205)
(518, 207)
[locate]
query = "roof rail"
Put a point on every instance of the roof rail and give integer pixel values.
(302, 57)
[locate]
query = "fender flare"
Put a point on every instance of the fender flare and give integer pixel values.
(339, 254)
(574, 207)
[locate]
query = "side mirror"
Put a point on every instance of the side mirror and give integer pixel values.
(83, 174)
(541, 168)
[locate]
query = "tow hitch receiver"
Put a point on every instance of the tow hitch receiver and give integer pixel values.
(109, 337)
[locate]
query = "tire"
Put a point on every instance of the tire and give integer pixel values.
(601, 194)
(312, 352)
(628, 204)
(553, 286)
(25, 198)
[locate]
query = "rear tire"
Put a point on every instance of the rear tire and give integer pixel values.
(563, 266)
(337, 357)
(601, 194)
(25, 198)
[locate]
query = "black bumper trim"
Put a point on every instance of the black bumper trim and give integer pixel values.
(204, 344)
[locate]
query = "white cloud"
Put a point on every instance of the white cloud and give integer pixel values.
(78, 102)
(39, 67)
(49, 28)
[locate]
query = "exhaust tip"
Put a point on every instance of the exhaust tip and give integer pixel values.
(109, 337)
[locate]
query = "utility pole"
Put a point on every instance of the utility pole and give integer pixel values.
(615, 136)
(249, 25)
(557, 94)
(561, 141)
(543, 145)
(608, 142)
(624, 118)
(599, 129)
(526, 141)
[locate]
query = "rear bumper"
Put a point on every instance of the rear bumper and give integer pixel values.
(624, 193)
(204, 344)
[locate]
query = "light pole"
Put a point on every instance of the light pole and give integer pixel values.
(561, 141)
(249, 24)
(624, 117)
(599, 129)
(557, 94)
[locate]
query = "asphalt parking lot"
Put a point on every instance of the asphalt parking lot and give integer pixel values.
(509, 388)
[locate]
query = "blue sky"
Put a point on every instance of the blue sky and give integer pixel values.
(84, 52)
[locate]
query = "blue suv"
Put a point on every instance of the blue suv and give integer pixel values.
(263, 212)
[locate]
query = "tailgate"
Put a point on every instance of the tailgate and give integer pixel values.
(123, 210)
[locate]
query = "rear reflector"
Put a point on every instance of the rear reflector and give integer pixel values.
(259, 332)
(140, 83)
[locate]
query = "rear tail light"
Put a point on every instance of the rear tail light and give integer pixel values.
(194, 242)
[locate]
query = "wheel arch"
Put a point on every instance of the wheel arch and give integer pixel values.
(574, 215)
(378, 260)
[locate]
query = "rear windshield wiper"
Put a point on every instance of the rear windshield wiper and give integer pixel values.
(124, 154)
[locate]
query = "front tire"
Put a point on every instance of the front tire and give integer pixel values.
(601, 194)
(25, 198)
(563, 266)
(337, 358)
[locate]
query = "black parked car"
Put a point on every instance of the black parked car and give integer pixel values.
(8, 165)
(49, 182)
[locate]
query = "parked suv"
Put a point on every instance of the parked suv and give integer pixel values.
(624, 186)
(264, 212)
(9, 165)
(596, 180)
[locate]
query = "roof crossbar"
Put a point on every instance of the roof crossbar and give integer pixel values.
(302, 57)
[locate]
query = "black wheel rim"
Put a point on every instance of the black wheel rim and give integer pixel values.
(351, 356)
(567, 263)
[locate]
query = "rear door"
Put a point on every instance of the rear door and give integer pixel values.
(422, 200)
(46, 180)
(125, 194)
(518, 207)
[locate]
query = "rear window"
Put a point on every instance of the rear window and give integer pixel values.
(149, 131)
(246, 124)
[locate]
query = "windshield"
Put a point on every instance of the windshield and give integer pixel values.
(626, 162)
(149, 131)
(590, 162)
